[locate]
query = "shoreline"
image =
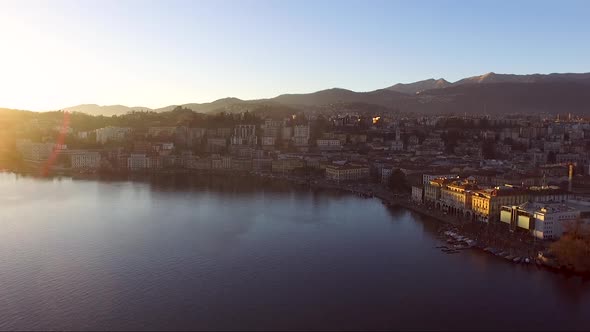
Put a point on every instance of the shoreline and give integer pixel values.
(471, 230)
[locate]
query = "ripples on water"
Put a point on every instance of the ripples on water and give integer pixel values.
(214, 253)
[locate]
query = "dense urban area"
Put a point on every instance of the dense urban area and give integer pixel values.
(517, 185)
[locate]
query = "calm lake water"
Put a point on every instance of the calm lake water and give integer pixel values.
(215, 253)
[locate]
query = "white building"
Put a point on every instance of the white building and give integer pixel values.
(417, 194)
(138, 161)
(85, 159)
(106, 134)
(545, 220)
(329, 144)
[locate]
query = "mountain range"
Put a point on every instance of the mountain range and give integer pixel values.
(489, 93)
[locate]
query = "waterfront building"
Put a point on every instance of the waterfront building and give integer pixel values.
(417, 194)
(286, 165)
(426, 178)
(85, 159)
(200, 163)
(349, 172)
(169, 161)
(314, 161)
(456, 197)
(36, 152)
(432, 190)
(486, 203)
(142, 147)
(137, 161)
(220, 163)
(241, 164)
(154, 162)
(262, 164)
(545, 220)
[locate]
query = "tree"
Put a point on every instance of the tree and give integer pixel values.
(573, 248)
(318, 127)
(397, 181)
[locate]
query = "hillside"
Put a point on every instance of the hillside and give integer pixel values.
(500, 98)
(381, 97)
(533, 78)
(412, 88)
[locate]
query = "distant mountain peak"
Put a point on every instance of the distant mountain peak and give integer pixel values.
(228, 100)
(487, 76)
(416, 87)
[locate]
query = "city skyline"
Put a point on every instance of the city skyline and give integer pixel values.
(153, 54)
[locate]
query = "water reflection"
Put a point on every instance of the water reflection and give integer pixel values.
(205, 252)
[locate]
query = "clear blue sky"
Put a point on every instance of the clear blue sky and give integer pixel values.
(155, 53)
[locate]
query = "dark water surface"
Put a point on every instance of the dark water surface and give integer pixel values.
(215, 253)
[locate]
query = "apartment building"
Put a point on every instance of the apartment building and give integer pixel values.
(350, 172)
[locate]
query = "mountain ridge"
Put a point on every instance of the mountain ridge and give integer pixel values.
(430, 95)
(415, 87)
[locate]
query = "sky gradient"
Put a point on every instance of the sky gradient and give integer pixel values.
(56, 54)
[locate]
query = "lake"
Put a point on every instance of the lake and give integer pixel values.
(181, 252)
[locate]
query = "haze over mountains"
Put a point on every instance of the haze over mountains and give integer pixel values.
(489, 93)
